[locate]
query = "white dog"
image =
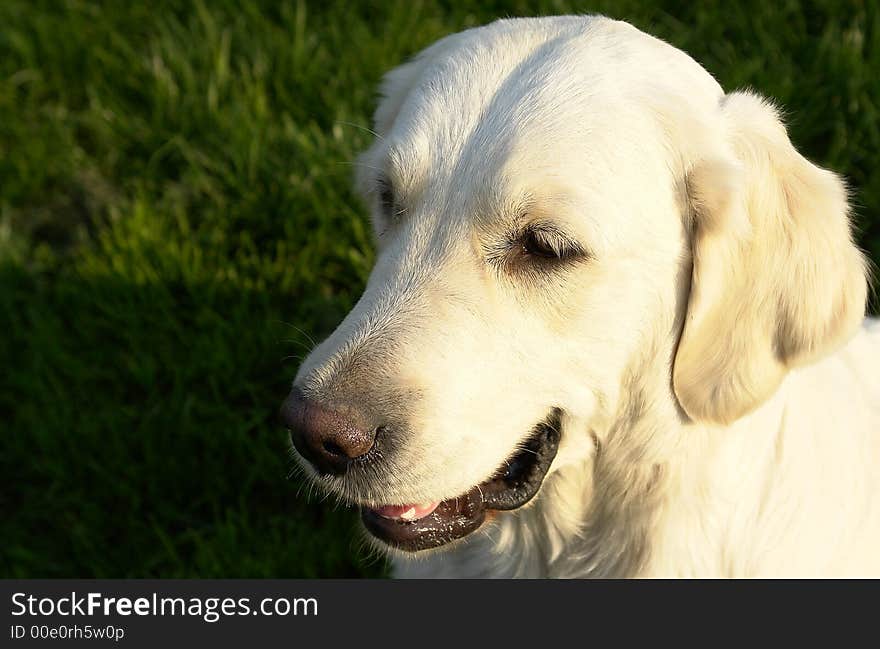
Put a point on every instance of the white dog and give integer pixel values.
(615, 327)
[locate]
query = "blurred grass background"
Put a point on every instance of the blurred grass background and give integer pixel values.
(176, 225)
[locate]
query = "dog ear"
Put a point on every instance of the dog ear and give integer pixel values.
(393, 90)
(777, 281)
(397, 84)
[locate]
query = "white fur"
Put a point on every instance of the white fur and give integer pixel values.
(721, 397)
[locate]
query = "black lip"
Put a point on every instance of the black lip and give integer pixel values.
(451, 520)
(512, 486)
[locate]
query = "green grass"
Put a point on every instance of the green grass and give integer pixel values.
(176, 224)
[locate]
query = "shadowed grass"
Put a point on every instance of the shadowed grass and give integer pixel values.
(176, 225)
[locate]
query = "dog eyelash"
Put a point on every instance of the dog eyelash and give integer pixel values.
(385, 191)
(547, 243)
(538, 247)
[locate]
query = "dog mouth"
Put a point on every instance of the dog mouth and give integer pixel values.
(422, 526)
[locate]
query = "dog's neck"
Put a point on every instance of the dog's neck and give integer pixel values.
(594, 517)
(638, 462)
(621, 511)
(662, 496)
(666, 497)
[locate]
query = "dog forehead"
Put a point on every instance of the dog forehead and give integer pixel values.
(488, 81)
(533, 93)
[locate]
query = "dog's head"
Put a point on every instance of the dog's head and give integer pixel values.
(564, 208)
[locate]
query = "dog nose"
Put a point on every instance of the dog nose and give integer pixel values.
(328, 438)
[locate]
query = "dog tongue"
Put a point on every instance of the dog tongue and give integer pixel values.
(406, 512)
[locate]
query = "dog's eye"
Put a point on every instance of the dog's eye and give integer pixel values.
(386, 197)
(537, 244)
